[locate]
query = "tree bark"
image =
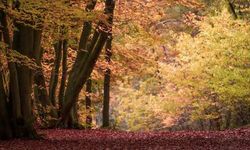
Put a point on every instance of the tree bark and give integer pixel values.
(89, 59)
(232, 9)
(55, 72)
(107, 74)
(14, 103)
(27, 42)
(108, 51)
(73, 87)
(14, 85)
(5, 128)
(64, 75)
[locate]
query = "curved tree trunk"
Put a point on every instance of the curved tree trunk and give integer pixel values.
(88, 59)
(73, 86)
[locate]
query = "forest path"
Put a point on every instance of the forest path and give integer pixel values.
(108, 139)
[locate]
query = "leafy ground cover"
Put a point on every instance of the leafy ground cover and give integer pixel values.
(108, 139)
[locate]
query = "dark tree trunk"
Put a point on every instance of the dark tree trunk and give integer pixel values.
(5, 127)
(106, 99)
(228, 119)
(232, 9)
(55, 72)
(88, 104)
(64, 75)
(1, 36)
(73, 86)
(107, 74)
(108, 52)
(15, 102)
(78, 77)
(27, 42)
(74, 117)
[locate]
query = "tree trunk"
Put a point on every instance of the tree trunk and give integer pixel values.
(27, 42)
(108, 52)
(1, 35)
(55, 72)
(78, 78)
(232, 9)
(14, 103)
(64, 75)
(73, 86)
(106, 99)
(74, 117)
(88, 104)
(5, 127)
(228, 119)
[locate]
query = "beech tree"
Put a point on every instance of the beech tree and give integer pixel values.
(108, 54)
(64, 74)
(26, 41)
(86, 58)
(22, 25)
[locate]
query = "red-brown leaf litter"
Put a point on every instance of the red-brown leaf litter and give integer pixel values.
(108, 139)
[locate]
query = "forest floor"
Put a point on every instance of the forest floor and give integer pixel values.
(238, 139)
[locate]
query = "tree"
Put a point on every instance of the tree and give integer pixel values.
(5, 129)
(26, 21)
(108, 54)
(26, 41)
(64, 74)
(85, 59)
(55, 72)
(214, 73)
(106, 97)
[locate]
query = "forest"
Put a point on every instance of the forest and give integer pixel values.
(124, 74)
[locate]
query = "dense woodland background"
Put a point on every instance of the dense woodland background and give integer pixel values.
(134, 65)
